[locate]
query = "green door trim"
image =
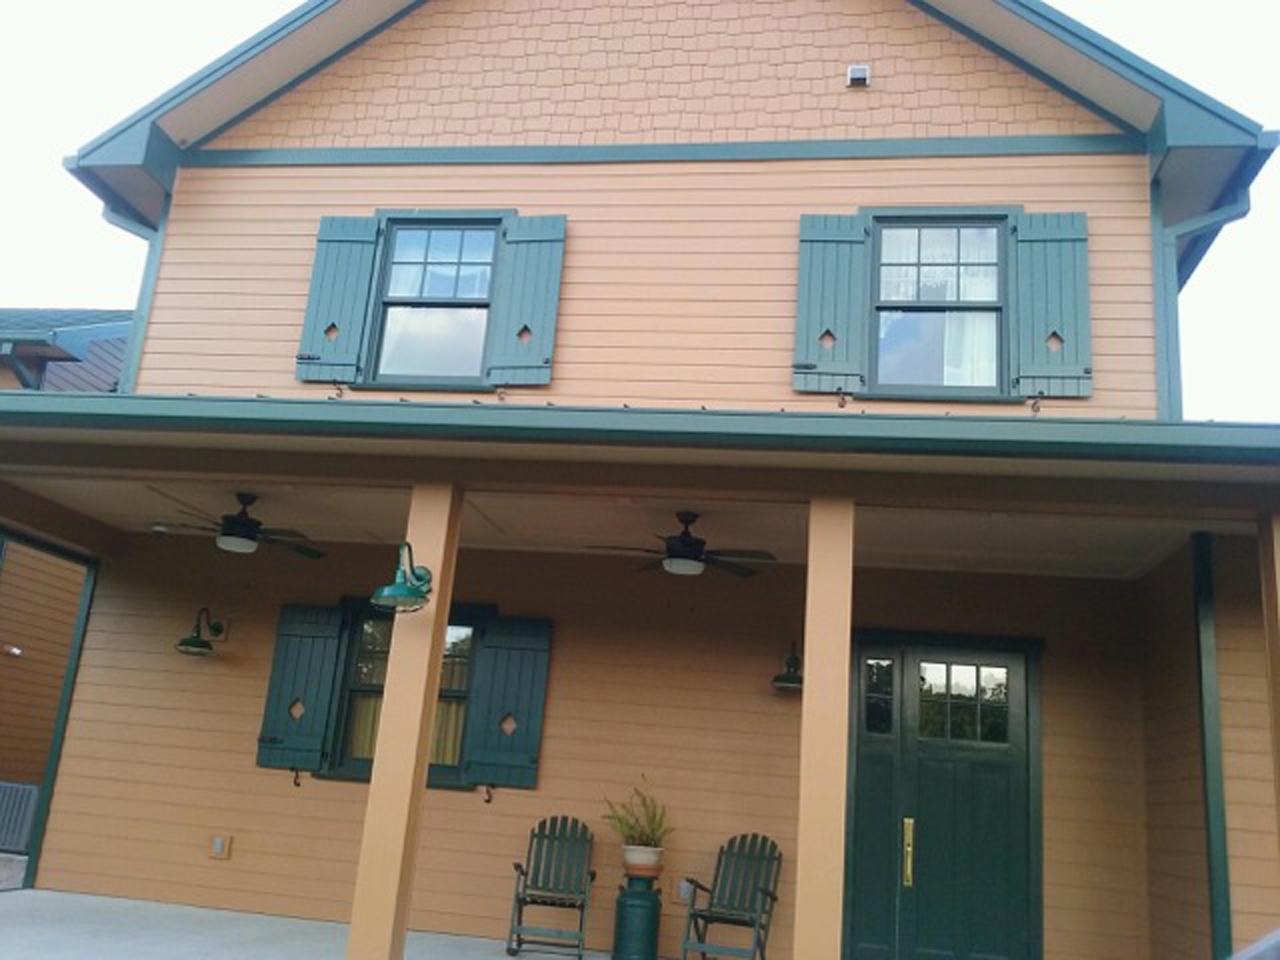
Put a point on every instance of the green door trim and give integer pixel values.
(1030, 647)
(64, 697)
(1215, 801)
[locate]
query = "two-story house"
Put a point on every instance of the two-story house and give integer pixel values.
(885, 292)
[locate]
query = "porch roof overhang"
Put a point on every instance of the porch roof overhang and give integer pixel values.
(779, 439)
(1205, 153)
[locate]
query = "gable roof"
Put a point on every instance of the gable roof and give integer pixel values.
(1205, 153)
(67, 333)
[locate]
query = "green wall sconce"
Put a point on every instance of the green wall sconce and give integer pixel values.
(790, 680)
(199, 643)
(410, 589)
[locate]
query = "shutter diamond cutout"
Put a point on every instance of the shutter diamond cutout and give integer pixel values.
(524, 334)
(296, 710)
(508, 725)
(1054, 342)
(331, 332)
(827, 341)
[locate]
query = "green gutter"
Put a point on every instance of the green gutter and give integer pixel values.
(1215, 802)
(1021, 437)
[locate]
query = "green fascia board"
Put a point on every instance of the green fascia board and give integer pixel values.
(1128, 65)
(675, 152)
(145, 146)
(1236, 190)
(202, 79)
(994, 437)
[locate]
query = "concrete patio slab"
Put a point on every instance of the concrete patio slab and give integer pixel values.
(43, 925)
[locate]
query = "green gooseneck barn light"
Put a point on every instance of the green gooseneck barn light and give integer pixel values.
(198, 644)
(790, 680)
(411, 588)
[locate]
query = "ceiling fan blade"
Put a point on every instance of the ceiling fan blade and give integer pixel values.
(303, 548)
(282, 533)
(763, 555)
(183, 526)
(650, 566)
(188, 508)
(620, 549)
(737, 569)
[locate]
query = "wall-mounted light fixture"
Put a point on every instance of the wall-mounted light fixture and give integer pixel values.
(411, 588)
(199, 643)
(790, 680)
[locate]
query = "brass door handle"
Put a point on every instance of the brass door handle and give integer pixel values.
(908, 851)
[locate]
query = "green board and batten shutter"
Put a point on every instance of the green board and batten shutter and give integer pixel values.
(503, 733)
(525, 302)
(1049, 306)
(338, 304)
(833, 303)
(304, 671)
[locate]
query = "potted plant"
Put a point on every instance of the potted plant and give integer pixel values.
(641, 822)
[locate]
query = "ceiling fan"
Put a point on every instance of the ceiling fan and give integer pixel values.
(686, 555)
(236, 532)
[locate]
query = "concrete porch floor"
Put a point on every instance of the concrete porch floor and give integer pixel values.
(43, 925)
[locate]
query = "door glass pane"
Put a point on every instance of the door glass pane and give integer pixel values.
(933, 680)
(433, 342)
(995, 685)
(995, 724)
(964, 720)
(933, 718)
(964, 682)
(457, 658)
(446, 741)
(879, 696)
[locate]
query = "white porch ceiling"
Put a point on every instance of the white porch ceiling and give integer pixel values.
(1066, 544)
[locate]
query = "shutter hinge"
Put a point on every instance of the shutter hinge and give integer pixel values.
(804, 366)
(308, 356)
(268, 741)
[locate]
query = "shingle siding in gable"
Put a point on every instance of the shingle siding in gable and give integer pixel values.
(584, 72)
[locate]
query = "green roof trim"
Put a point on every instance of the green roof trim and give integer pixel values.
(41, 324)
(1013, 438)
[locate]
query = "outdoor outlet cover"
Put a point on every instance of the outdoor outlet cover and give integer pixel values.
(686, 891)
(220, 847)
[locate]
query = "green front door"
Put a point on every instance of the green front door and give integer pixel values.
(939, 847)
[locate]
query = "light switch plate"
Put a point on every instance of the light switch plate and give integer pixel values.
(220, 846)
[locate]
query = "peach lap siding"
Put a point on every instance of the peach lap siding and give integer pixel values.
(670, 683)
(502, 72)
(679, 285)
(39, 601)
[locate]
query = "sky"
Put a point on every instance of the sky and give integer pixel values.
(61, 87)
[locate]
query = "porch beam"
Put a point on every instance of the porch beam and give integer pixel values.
(1215, 801)
(824, 731)
(1269, 563)
(389, 844)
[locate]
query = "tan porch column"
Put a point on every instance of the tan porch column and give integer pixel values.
(388, 847)
(824, 731)
(1269, 556)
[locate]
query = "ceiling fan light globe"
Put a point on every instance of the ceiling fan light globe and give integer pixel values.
(683, 566)
(235, 544)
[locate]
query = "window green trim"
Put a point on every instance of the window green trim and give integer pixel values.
(1215, 801)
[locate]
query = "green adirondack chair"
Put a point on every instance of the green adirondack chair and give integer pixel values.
(743, 893)
(556, 873)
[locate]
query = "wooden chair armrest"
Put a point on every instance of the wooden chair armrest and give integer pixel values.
(773, 897)
(697, 885)
(591, 876)
(519, 868)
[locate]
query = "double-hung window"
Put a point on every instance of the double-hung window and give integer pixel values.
(958, 304)
(938, 307)
(433, 300)
(436, 287)
(329, 674)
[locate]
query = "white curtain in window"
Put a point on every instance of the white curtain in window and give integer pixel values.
(970, 350)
